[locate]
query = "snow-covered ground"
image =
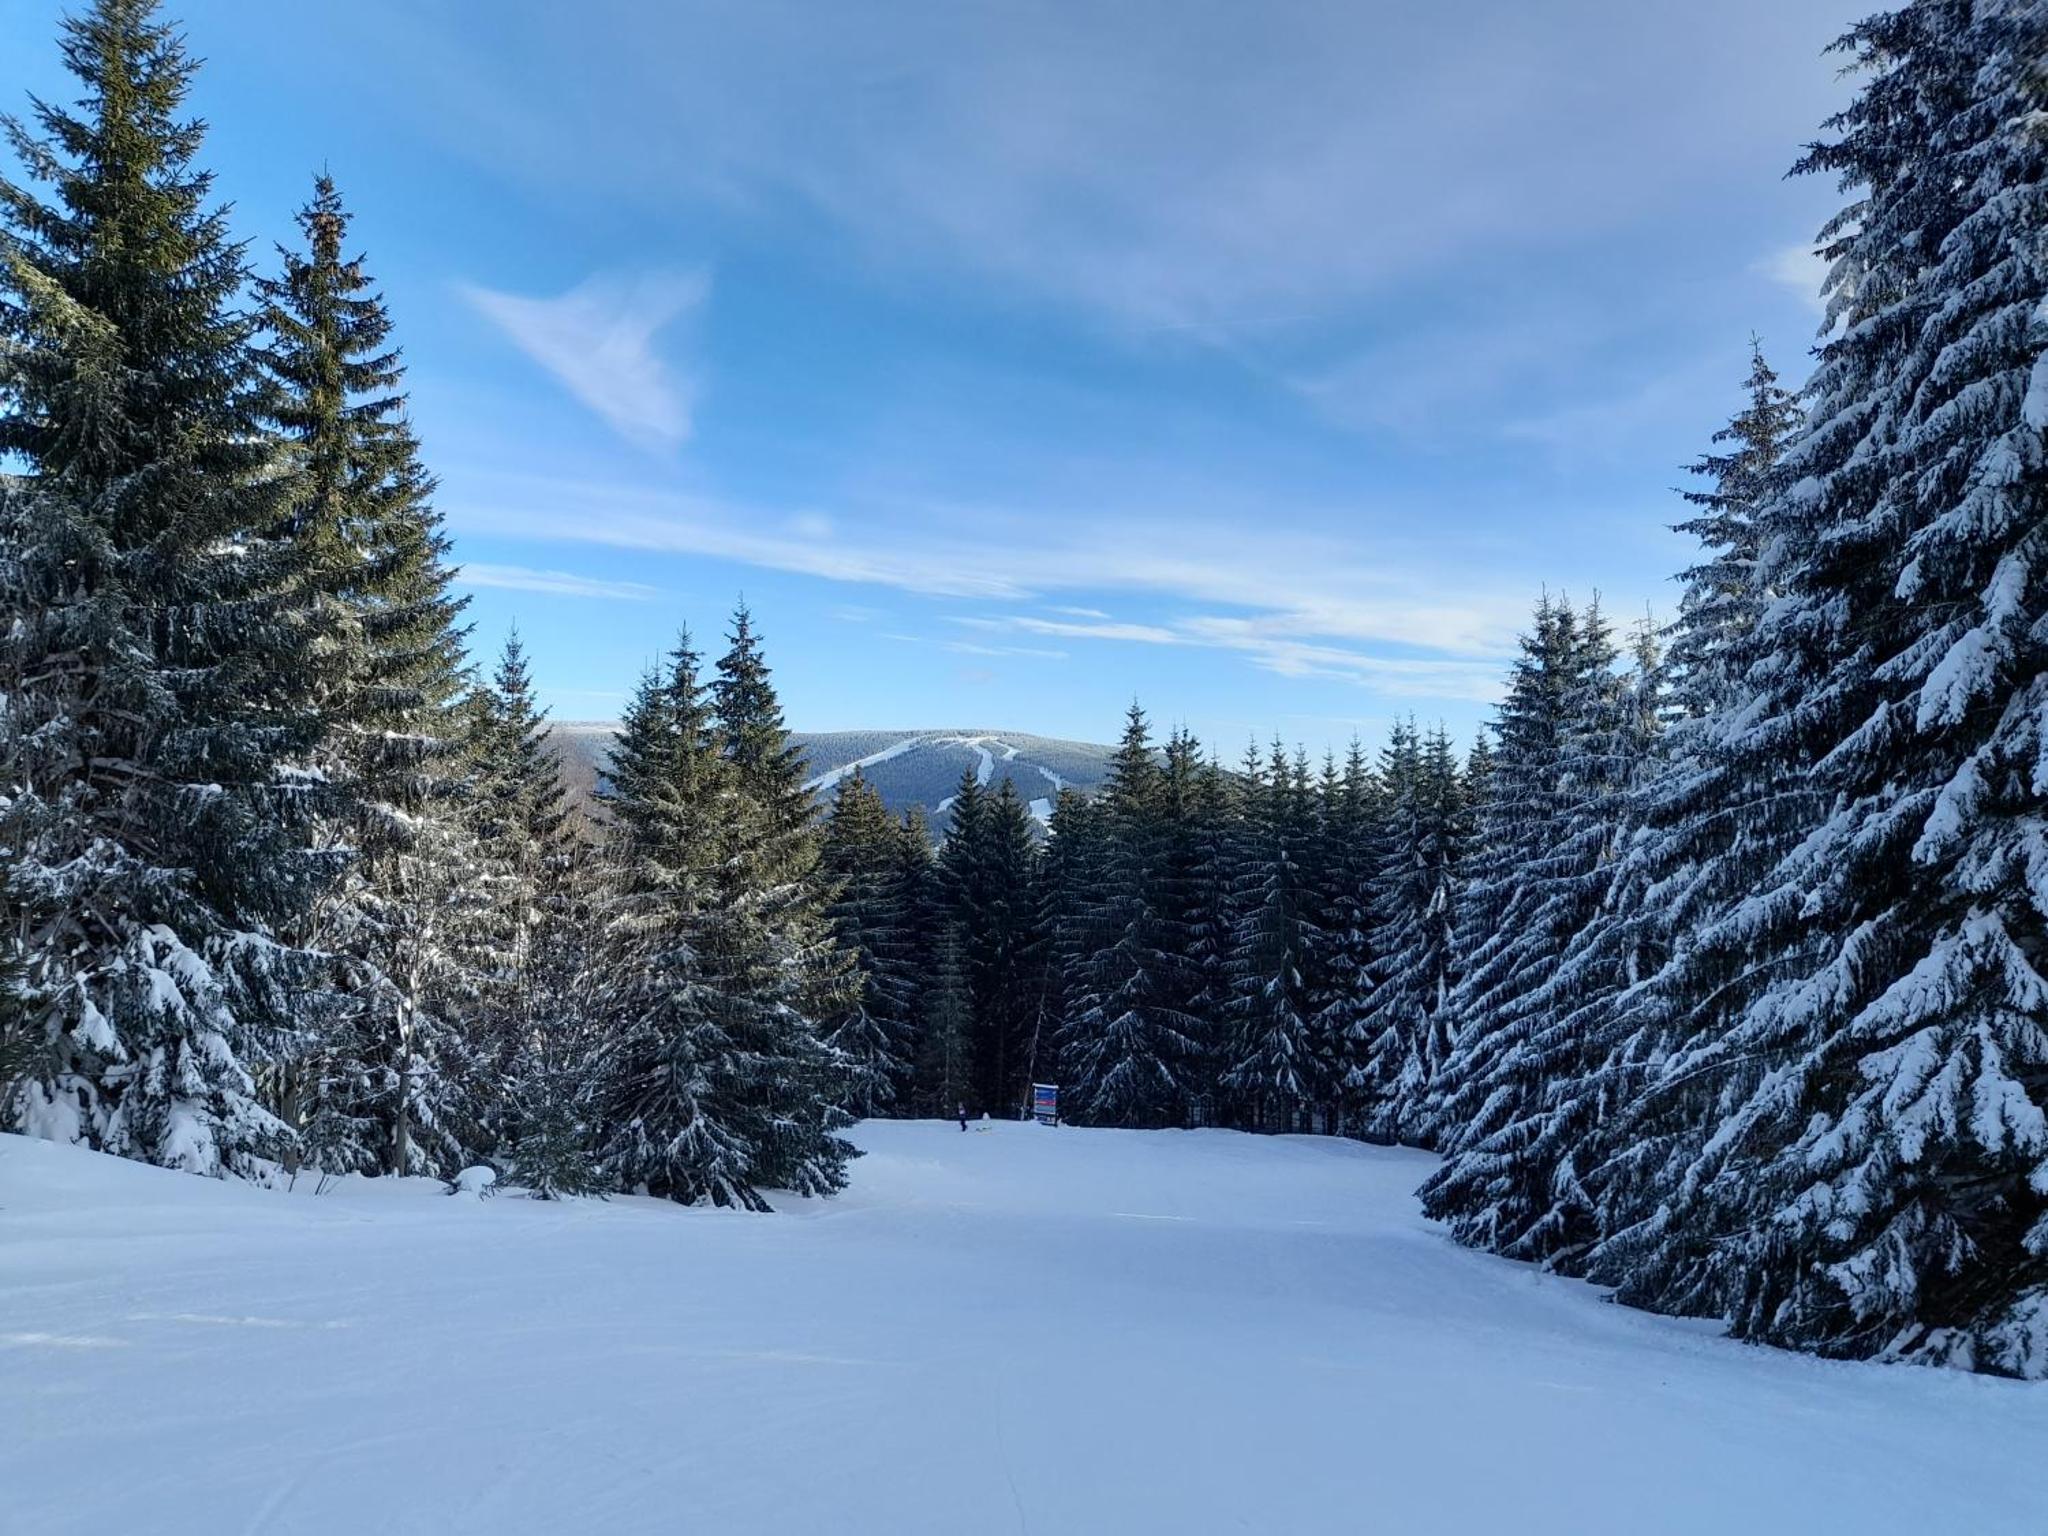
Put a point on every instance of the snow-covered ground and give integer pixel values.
(1019, 1329)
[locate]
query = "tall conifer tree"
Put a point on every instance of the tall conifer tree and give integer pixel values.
(713, 1083)
(533, 1039)
(1352, 832)
(779, 973)
(1275, 1070)
(1129, 1041)
(154, 676)
(864, 862)
(1549, 831)
(1876, 1179)
(386, 1085)
(987, 889)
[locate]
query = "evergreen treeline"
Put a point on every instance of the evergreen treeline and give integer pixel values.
(1712, 970)
(286, 884)
(1716, 971)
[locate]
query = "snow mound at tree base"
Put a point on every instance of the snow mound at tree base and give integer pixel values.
(1029, 1329)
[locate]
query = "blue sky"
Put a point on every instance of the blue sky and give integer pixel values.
(1262, 361)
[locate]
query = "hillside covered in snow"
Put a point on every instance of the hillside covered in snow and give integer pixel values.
(1021, 1329)
(919, 769)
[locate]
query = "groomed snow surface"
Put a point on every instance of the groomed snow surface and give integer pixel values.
(1016, 1329)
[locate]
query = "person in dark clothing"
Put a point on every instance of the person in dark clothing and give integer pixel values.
(963, 1117)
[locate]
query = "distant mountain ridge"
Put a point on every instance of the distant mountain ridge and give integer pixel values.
(907, 768)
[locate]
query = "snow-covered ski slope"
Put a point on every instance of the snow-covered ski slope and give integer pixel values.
(907, 768)
(1014, 1330)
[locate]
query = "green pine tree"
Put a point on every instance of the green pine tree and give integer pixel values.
(386, 1087)
(944, 1062)
(1128, 1043)
(863, 858)
(666, 1119)
(1275, 1069)
(714, 1081)
(532, 1038)
(155, 676)
(987, 890)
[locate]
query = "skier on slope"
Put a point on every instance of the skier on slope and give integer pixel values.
(963, 1117)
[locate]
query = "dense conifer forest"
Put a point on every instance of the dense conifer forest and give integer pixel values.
(1713, 970)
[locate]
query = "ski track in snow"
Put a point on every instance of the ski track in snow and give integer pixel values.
(1113, 1332)
(830, 779)
(985, 769)
(985, 749)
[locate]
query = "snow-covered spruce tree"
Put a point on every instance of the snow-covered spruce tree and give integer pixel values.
(1071, 884)
(381, 1086)
(662, 1084)
(1417, 944)
(780, 974)
(876, 1027)
(769, 770)
(1129, 1042)
(987, 889)
(531, 1037)
(1353, 828)
(1513, 1180)
(1511, 820)
(1878, 1184)
(1208, 849)
(526, 847)
(19, 1044)
(787, 890)
(1723, 595)
(913, 878)
(1275, 1071)
(153, 676)
(711, 1083)
(1406, 902)
(1699, 838)
(1549, 824)
(1191, 901)
(944, 1079)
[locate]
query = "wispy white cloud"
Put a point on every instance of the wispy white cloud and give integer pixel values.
(519, 578)
(1265, 640)
(598, 340)
(1799, 268)
(1419, 677)
(1306, 585)
(973, 648)
(1104, 628)
(1034, 652)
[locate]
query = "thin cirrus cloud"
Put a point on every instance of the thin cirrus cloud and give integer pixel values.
(1289, 607)
(976, 648)
(1263, 641)
(1799, 268)
(519, 578)
(599, 342)
(1103, 628)
(1305, 587)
